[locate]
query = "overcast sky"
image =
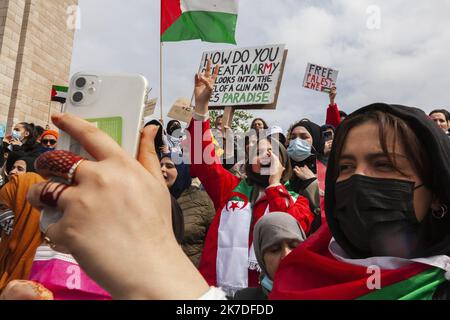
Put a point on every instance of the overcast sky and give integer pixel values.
(400, 58)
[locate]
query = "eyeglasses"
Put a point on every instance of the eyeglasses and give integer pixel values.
(48, 141)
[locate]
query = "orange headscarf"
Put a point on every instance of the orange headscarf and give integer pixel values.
(50, 133)
(17, 250)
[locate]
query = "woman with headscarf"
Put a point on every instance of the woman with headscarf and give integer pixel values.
(387, 206)
(24, 254)
(305, 145)
(196, 209)
(228, 258)
(275, 236)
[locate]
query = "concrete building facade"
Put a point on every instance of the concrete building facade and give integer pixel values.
(36, 41)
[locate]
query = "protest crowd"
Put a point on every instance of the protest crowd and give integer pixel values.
(354, 207)
(301, 214)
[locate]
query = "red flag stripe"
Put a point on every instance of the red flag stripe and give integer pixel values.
(170, 12)
(310, 272)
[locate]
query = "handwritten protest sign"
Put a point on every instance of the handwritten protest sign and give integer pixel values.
(248, 78)
(320, 78)
(182, 110)
(150, 107)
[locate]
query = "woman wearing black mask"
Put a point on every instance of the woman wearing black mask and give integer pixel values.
(387, 210)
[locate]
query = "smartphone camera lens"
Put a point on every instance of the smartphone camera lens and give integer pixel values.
(77, 96)
(80, 82)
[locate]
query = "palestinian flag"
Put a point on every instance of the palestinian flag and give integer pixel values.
(59, 93)
(208, 20)
(311, 273)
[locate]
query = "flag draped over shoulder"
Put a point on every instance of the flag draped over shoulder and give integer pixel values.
(311, 273)
(208, 20)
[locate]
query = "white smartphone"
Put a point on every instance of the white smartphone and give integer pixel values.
(113, 103)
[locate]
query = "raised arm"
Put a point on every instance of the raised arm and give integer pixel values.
(205, 164)
(333, 116)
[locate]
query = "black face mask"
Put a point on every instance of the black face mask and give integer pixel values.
(377, 216)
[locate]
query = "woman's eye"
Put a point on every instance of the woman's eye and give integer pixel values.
(274, 249)
(345, 167)
(385, 165)
(293, 245)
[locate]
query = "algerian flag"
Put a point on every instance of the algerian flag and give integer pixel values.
(59, 93)
(208, 20)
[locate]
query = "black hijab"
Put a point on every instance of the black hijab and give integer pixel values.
(315, 132)
(437, 145)
(159, 135)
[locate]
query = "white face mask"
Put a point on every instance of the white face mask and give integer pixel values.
(299, 150)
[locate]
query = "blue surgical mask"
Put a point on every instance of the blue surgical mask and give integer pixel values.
(299, 150)
(16, 135)
(267, 283)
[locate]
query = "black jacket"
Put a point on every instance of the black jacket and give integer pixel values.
(251, 294)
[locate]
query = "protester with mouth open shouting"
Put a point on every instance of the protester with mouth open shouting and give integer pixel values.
(228, 258)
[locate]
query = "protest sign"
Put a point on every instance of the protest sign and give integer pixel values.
(150, 106)
(320, 78)
(182, 110)
(149, 109)
(249, 78)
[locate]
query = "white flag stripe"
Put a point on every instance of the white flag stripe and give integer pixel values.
(61, 94)
(225, 6)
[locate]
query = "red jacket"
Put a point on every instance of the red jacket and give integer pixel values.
(333, 116)
(219, 184)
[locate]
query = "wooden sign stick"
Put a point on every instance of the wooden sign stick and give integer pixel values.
(227, 117)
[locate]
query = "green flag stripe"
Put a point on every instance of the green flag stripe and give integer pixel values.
(243, 188)
(60, 88)
(419, 287)
(207, 26)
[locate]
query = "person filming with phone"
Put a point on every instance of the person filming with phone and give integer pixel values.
(328, 137)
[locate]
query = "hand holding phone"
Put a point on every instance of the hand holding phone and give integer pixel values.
(113, 103)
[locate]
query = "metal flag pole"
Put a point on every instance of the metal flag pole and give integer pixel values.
(161, 78)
